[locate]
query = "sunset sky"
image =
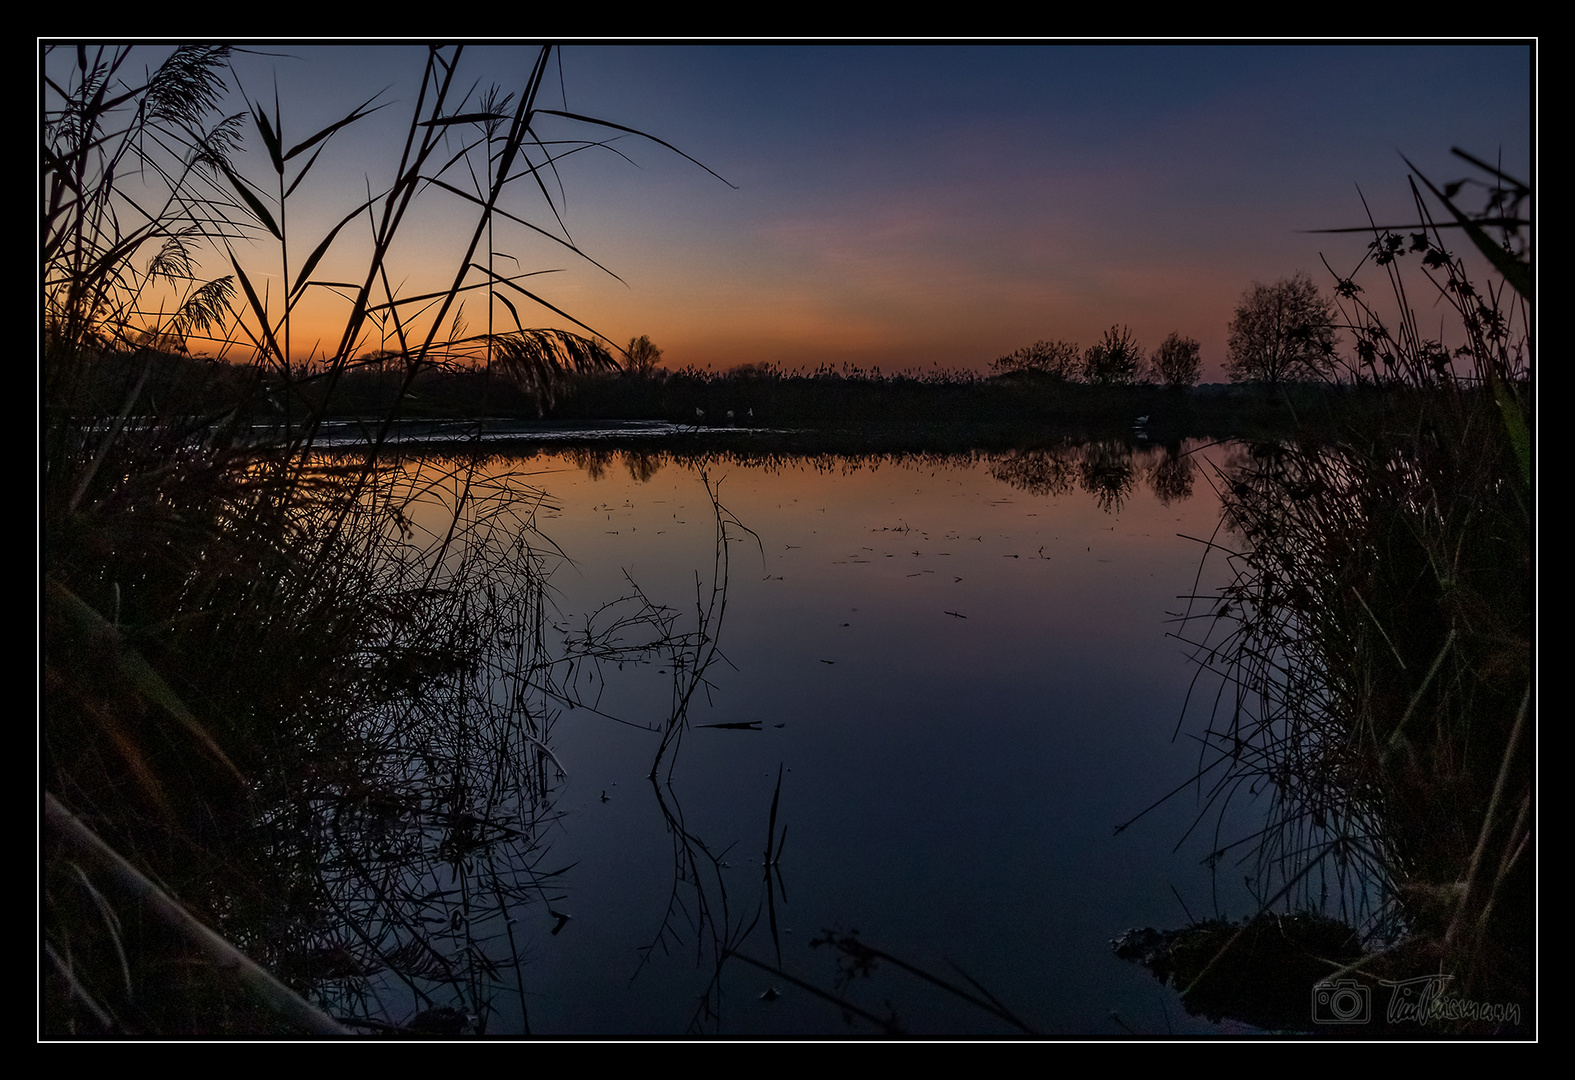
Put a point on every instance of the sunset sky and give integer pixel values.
(911, 206)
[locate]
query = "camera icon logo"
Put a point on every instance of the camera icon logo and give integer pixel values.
(1344, 1001)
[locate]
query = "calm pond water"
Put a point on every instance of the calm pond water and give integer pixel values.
(958, 666)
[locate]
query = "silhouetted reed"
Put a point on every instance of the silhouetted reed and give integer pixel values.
(288, 688)
(1373, 645)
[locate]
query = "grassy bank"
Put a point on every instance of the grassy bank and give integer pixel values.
(1374, 649)
(278, 689)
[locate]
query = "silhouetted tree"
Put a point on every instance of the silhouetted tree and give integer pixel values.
(1176, 361)
(1058, 359)
(643, 355)
(1282, 331)
(1116, 361)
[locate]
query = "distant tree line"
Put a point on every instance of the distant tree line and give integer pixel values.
(1283, 332)
(1117, 359)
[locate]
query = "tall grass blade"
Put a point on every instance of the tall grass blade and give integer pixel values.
(64, 829)
(253, 203)
(1516, 272)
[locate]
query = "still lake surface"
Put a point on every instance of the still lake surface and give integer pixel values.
(959, 667)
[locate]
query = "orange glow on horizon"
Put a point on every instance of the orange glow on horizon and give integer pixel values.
(972, 207)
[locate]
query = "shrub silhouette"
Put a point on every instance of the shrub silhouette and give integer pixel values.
(1116, 360)
(1176, 362)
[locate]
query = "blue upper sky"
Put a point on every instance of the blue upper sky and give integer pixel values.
(911, 205)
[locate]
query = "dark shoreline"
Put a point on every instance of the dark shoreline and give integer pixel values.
(788, 413)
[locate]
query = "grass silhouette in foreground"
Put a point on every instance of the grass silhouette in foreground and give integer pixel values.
(270, 685)
(1372, 653)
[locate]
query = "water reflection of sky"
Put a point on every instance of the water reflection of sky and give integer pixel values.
(968, 684)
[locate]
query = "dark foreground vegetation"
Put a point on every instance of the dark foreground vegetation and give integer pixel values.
(1368, 676)
(274, 707)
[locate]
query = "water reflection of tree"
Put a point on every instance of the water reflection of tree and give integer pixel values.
(642, 464)
(597, 460)
(593, 459)
(1171, 477)
(1039, 472)
(1107, 470)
